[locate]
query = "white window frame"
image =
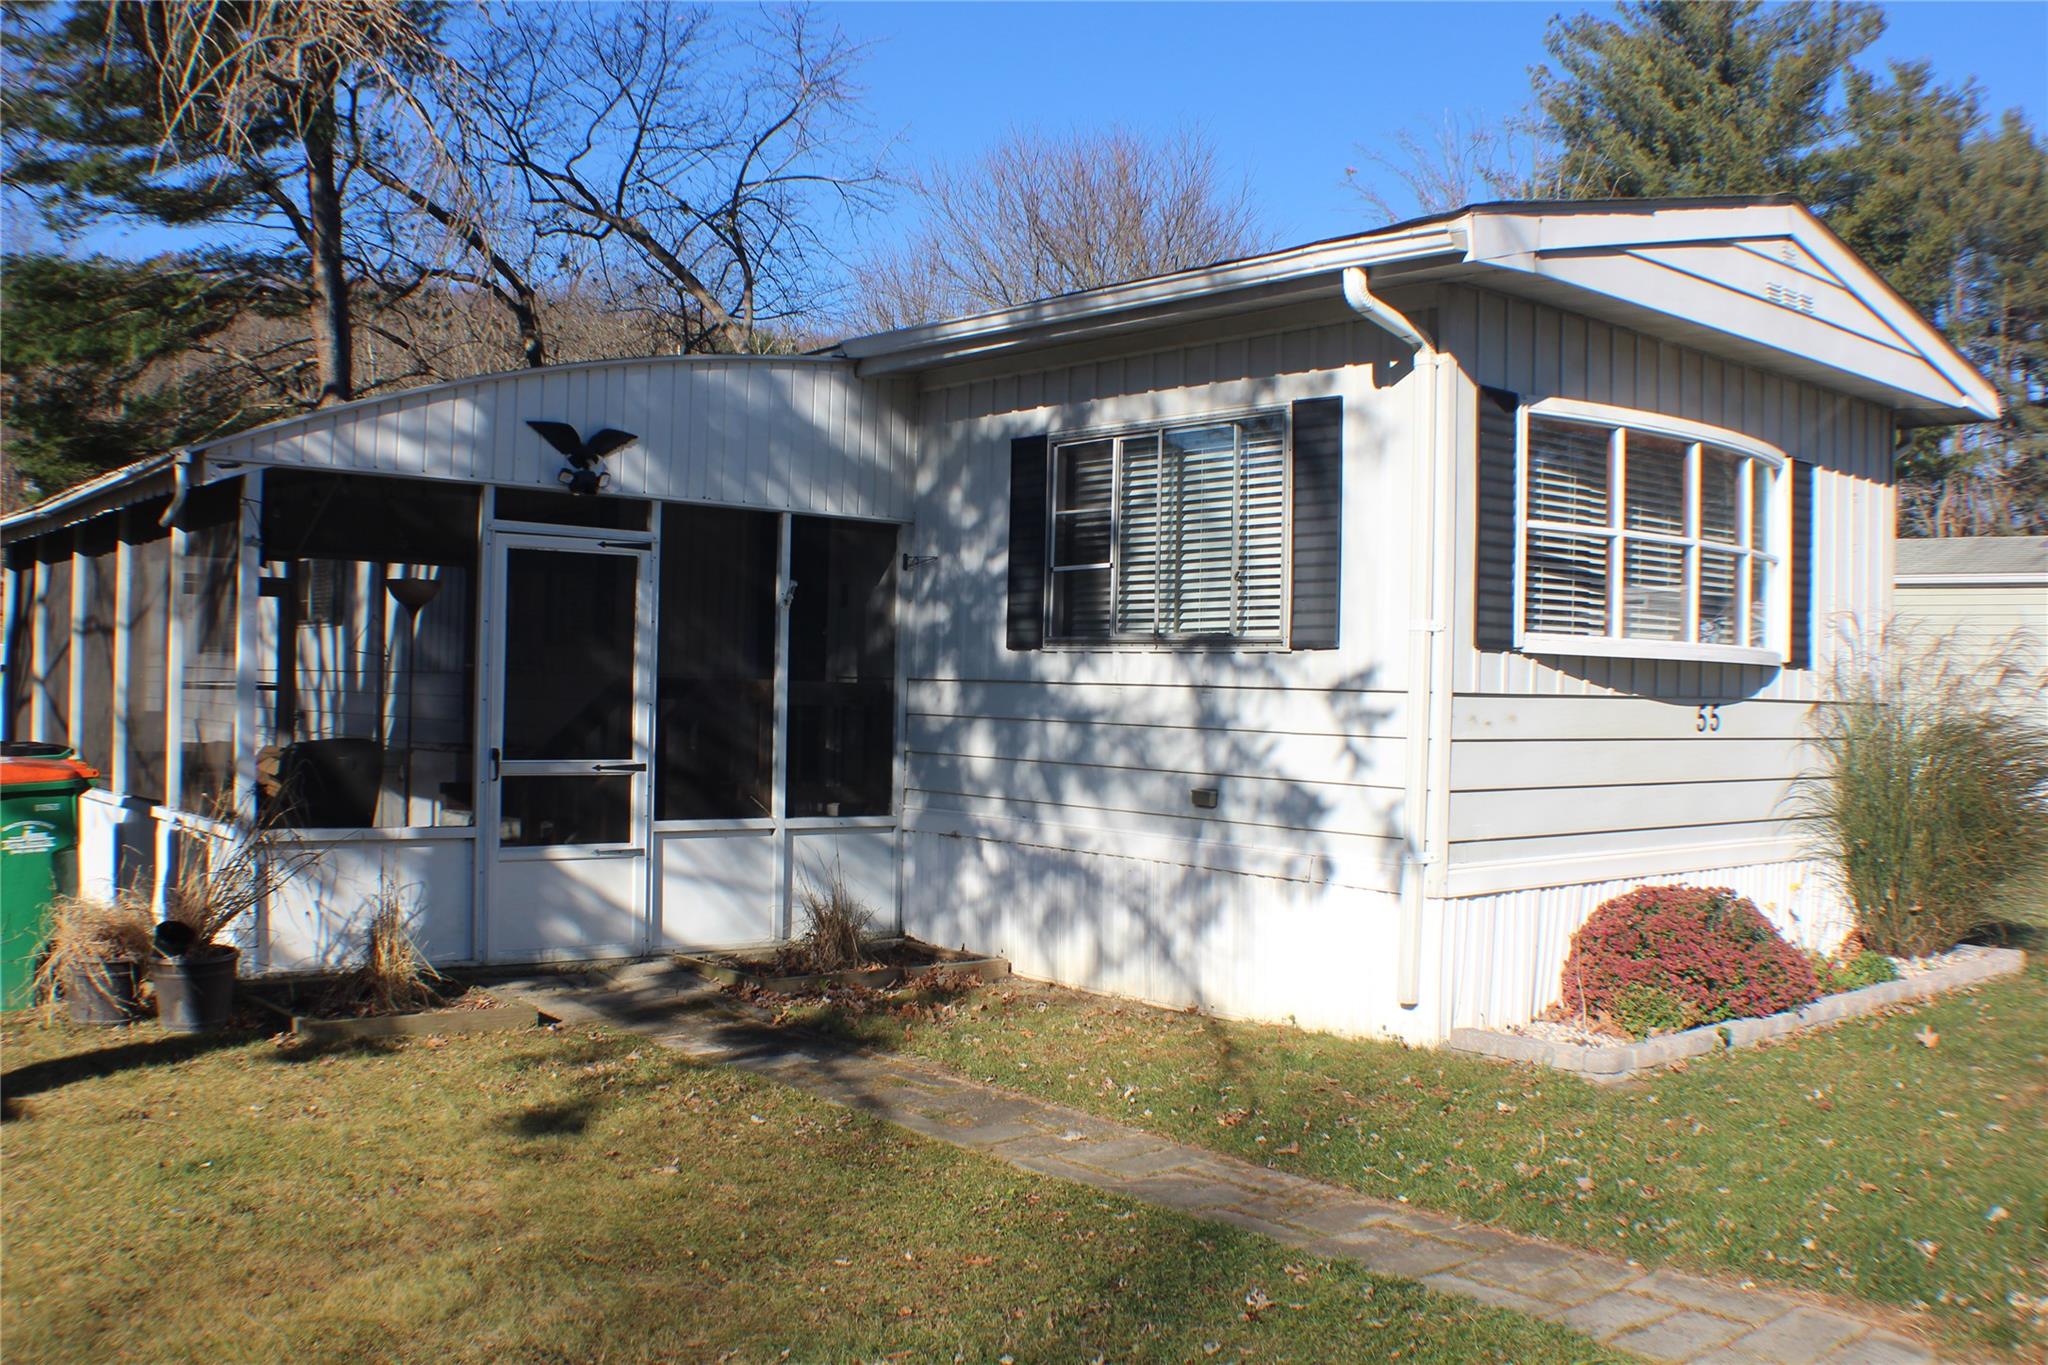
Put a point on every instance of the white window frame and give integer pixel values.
(1776, 648)
(1158, 429)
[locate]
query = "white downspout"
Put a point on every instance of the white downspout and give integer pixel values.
(1424, 825)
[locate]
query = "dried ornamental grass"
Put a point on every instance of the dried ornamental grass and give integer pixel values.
(836, 924)
(86, 936)
(225, 875)
(394, 976)
(1933, 790)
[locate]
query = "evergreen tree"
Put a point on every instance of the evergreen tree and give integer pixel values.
(106, 361)
(1675, 97)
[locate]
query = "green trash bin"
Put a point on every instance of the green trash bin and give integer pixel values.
(39, 787)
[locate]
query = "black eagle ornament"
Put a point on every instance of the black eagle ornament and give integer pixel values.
(585, 472)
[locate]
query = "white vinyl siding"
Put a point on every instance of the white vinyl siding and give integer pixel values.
(1173, 533)
(1643, 534)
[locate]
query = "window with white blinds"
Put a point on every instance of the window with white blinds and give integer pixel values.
(1171, 533)
(1650, 536)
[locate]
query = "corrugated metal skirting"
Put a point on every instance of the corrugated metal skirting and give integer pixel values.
(1502, 954)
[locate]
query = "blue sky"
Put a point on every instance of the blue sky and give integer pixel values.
(1287, 92)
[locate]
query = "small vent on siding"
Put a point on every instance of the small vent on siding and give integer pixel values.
(1789, 298)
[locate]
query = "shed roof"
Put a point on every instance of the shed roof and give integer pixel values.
(2017, 559)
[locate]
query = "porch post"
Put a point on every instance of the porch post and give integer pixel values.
(248, 643)
(167, 830)
(124, 603)
(37, 580)
(778, 801)
(81, 588)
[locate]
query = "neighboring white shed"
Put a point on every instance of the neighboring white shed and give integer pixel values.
(1988, 595)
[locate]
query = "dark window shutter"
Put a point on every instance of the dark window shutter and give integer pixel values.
(1027, 542)
(1318, 522)
(1801, 652)
(1493, 614)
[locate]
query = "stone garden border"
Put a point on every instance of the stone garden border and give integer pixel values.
(1625, 1061)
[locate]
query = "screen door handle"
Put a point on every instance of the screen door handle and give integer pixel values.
(493, 756)
(618, 767)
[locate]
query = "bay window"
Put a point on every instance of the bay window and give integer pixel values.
(1649, 536)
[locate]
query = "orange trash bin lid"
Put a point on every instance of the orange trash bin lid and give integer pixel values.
(36, 772)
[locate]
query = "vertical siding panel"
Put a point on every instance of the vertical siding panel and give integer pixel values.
(1571, 355)
(1600, 362)
(1493, 339)
(1621, 367)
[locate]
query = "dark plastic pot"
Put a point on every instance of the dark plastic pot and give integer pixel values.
(107, 996)
(195, 992)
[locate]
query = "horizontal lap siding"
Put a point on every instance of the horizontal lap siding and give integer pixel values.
(793, 434)
(2004, 628)
(1075, 747)
(1569, 768)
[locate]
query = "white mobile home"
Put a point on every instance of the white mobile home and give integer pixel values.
(1320, 635)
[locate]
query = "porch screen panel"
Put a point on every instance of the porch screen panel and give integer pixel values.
(366, 673)
(714, 733)
(206, 602)
(56, 679)
(842, 669)
(147, 611)
(97, 580)
(21, 602)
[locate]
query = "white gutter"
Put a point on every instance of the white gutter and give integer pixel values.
(1096, 310)
(1425, 822)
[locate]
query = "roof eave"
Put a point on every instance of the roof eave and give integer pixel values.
(131, 483)
(1235, 286)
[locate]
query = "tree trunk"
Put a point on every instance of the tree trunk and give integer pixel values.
(333, 340)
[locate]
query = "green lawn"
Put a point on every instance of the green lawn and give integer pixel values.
(574, 1195)
(1853, 1161)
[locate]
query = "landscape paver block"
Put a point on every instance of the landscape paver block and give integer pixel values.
(1047, 1164)
(1802, 1335)
(1547, 1272)
(1394, 1253)
(1689, 1292)
(1188, 1193)
(1880, 1349)
(1336, 1215)
(1493, 1294)
(1683, 1335)
(1128, 1156)
(1611, 1314)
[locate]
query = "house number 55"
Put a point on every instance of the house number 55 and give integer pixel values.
(1709, 719)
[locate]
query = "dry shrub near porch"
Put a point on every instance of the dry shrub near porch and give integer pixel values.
(1933, 790)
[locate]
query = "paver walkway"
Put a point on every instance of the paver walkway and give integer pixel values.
(1655, 1313)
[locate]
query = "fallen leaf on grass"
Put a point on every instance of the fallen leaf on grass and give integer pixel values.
(1927, 1036)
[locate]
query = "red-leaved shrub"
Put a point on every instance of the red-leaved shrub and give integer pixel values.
(1707, 946)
